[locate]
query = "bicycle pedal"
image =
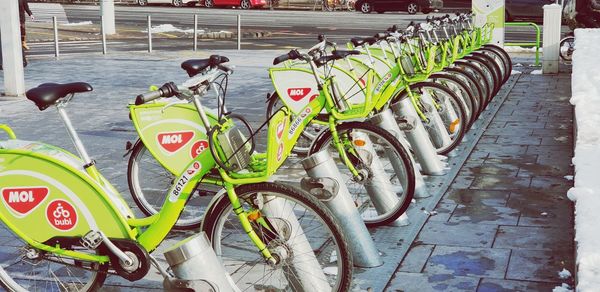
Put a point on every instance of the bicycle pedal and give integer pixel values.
(92, 239)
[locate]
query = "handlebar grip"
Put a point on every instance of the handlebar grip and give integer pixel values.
(281, 59)
(167, 90)
(148, 96)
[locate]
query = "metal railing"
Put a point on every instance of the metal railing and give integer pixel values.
(104, 41)
(535, 44)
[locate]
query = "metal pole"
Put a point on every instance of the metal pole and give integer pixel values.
(107, 11)
(239, 32)
(55, 22)
(103, 37)
(326, 183)
(12, 50)
(149, 34)
(195, 32)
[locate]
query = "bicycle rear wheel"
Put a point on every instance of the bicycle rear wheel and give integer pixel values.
(386, 153)
(24, 268)
(301, 233)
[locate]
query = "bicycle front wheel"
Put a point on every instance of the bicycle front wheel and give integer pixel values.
(385, 167)
(301, 233)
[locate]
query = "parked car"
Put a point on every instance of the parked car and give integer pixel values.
(243, 4)
(410, 6)
(176, 3)
(525, 9)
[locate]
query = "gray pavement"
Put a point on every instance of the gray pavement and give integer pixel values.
(487, 231)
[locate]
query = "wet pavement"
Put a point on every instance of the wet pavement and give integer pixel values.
(505, 224)
(499, 218)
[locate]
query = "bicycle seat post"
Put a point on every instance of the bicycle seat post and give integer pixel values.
(60, 107)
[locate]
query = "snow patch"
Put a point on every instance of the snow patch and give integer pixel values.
(562, 288)
(536, 72)
(585, 87)
(77, 23)
(513, 72)
(568, 177)
(513, 49)
(564, 274)
(164, 28)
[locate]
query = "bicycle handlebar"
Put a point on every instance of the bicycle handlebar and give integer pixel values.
(167, 90)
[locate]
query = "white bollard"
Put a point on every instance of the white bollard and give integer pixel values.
(107, 12)
(12, 51)
(195, 32)
(552, 22)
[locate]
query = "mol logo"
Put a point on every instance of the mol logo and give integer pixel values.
(297, 94)
(174, 141)
(23, 200)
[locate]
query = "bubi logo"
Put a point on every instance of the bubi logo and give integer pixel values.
(198, 148)
(298, 93)
(23, 200)
(61, 215)
(174, 141)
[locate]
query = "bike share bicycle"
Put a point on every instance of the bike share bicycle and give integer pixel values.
(102, 236)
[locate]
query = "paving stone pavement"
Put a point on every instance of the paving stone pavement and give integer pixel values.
(505, 224)
(488, 233)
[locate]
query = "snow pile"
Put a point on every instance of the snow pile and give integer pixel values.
(516, 49)
(536, 72)
(77, 23)
(586, 192)
(164, 28)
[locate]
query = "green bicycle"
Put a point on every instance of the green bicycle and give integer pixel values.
(71, 228)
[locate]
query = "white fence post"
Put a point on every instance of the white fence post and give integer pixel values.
(239, 32)
(12, 50)
(149, 33)
(55, 24)
(551, 40)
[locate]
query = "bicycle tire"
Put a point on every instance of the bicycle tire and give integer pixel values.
(488, 72)
(479, 77)
(406, 179)
(214, 226)
(470, 79)
(149, 195)
(499, 60)
(489, 66)
(566, 56)
(504, 55)
(465, 94)
(457, 106)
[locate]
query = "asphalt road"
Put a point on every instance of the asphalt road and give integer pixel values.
(288, 28)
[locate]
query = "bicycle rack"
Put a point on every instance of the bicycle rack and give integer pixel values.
(303, 255)
(386, 121)
(437, 130)
(197, 267)
(323, 171)
(418, 137)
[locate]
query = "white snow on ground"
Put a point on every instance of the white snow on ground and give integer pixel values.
(77, 23)
(513, 72)
(536, 72)
(563, 288)
(585, 87)
(568, 177)
(511, 49)
(164, 28)
(564, 274)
